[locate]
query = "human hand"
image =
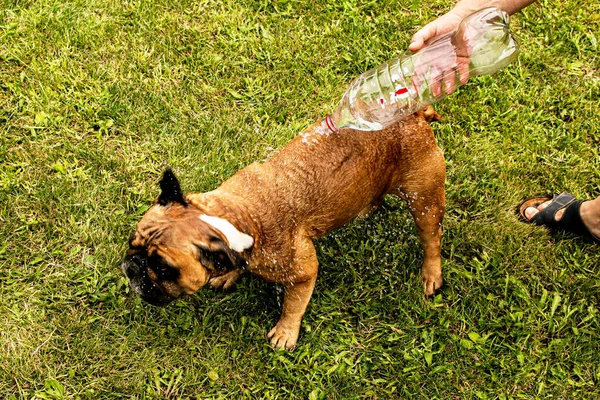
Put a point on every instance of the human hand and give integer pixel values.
(445, 24)
(442, 62)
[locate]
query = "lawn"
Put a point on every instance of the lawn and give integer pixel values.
(97, 97)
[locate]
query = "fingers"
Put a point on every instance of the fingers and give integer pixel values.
(416, 43)
(438, 27)
(441, 69)
(441, 82)
(463, 72)
(450, 82)
(435, 84)
(423, 35)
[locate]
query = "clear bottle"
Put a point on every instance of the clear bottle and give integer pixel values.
(482, 44)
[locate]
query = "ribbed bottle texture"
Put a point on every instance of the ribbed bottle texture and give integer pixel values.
(481, 45)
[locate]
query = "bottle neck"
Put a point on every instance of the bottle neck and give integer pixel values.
(330, 124)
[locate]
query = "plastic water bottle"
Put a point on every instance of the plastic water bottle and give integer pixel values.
(482, 44)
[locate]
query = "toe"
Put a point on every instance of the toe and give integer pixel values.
(228, 284)
(282, 341)
(544, 205)
(429, 288)
(216, 283)
(529, 208)
(530, 212)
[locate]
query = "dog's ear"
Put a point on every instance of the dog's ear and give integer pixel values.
(220, 257)
(170, 189)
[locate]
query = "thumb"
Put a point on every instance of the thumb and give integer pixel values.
(423, 35)
(444, 24)
(416, 43)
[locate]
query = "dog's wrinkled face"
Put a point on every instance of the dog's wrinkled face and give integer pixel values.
(173, 252)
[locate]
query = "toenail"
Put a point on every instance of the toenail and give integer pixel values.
(530, 212)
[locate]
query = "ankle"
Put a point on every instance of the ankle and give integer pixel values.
(590, 215)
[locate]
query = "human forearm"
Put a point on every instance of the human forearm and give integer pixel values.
(466, 7)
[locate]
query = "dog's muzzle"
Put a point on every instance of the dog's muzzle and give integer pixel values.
(135, 268)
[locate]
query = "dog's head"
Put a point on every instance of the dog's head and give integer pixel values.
(175, 248)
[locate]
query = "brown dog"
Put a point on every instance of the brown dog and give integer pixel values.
(265, 217)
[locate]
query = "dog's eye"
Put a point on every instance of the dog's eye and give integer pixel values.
(216, 260)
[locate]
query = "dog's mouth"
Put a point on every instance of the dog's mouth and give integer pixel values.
(142, 284)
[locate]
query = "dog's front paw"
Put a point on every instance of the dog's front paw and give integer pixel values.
(283, 337)
(226, 281)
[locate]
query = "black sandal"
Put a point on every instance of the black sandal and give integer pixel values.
(570, 221)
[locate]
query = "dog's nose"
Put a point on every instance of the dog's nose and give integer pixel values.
(133, 265)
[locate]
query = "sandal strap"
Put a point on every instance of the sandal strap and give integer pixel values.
(571, 219)
(573, 222)
(547, 215)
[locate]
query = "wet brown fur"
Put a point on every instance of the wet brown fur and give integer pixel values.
(312, 186)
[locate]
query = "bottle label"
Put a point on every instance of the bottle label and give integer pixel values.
(401, 91)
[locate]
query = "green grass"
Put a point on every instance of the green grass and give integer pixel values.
(97, 97)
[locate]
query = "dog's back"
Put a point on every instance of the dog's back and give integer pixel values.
(322, 179)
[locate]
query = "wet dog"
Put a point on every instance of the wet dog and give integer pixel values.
(265, 217)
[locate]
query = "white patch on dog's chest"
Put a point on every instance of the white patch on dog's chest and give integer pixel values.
(238, 241)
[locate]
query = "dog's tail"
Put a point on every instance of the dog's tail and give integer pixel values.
(430, 114)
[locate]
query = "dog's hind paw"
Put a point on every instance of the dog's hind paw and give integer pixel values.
(431, 284)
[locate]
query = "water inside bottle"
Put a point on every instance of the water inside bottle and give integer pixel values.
(482, 44)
